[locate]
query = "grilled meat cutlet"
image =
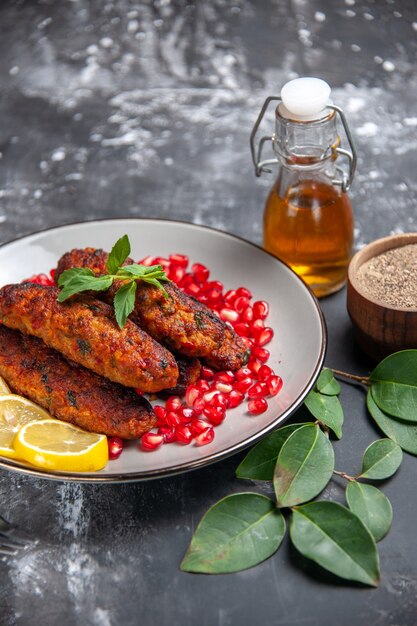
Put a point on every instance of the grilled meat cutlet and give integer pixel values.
(180, 322)
(189, 370)
(71, 392)
(85, 331)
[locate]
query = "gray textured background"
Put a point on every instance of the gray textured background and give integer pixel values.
(112, 109)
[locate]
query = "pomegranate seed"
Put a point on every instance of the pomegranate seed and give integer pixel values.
(186, 414)
(179, 259)
(205, 437)
(274, 384)
(192, 289)
(168, 434)
(151, 441)
(198, 426)
(191, 395)
(224, 377)
(208, 397)
(265, 336)
(241, 303)
(234, 398)
(262, 354)
(257, 326)
(184, 434)
(207, 373)
(200, 272)
(176, 273)
(257, 406)
(243, 384)
(244, 372)
(219, 400)
(258, 390)
(160, 260)
(230, 297)
(254, 366)
(173, 419)
(52, 275)
(229, 315)
(260, 310)
(215, 414)
(224, 387)
(173, 403)
(202, 385)
(213, 295)
(198, 406)
(139, 391)
(264, 372)
(242, 292)
(203, 298)
(147, 260)
(215, 285)
(115, 447)
(247, 315)
(242, 329)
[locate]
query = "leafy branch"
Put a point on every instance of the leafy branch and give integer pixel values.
(244, 529)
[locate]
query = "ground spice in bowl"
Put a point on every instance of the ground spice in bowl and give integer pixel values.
(391, 277)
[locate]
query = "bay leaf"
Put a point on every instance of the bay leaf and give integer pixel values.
(381, 459)
(394, 385)
(236, 533)
(402, 432)
(335, 538)
(327, 383)
(371, 506)
(304, 466)
(327, 410)
(259, 463)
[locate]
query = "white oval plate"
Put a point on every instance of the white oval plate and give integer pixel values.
(297, 350)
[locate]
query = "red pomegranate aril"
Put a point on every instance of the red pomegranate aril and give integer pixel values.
(151, 441)
(247, 315)
(173, 403)
(198, 426)
(205, 437)
(186, 414)
(242, 329)
(179, 259)
(214, 295)
(254, 365)
(192, 289)
(176, 273)
(169, 434)
(243, 384)
(184, 434)
(260, 310)
(219, 400)
(264, 372)
(242, 292)
(244, 372)
(208, 397)
(202, 298)
(229, 315)
(224, 377)
(262, 354)
(198, 406)
(265, 336)
(192, 394)
(115, 447)
(257, 406)
(234, 398)
(200, 272)
(207, 373)
(224, 387)
(230, 297)
(215, 414)
(147, 260)
(257, 326)
(258, 390)
(173, 419)
(139, 391)
(241, 303)
(202, 385)
(215, 285)
(274, 384)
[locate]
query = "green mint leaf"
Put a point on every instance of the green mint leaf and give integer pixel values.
(327, 383)
(304, 466)
(259, 463)
(238, 532)
(402, 432)
(80, 279)
(132, 270)
(371, 506)
(124, 302)
(327, 410)
(381, 459)
(335, 538)
(394, 385)
(118, 254)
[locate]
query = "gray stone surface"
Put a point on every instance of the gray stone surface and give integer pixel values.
(124, 108)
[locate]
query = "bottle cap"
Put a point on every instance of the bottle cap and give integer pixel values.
(305, 99)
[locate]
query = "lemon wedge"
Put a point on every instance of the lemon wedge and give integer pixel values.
(15, 412)
(3, 386)
(56, 445)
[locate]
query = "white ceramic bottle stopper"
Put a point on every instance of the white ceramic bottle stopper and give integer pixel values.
(304, 99)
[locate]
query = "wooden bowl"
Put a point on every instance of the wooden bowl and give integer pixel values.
(380, 328)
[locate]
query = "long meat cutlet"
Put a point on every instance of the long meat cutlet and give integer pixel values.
(85, 331)
(190, 370)
(180, 322)
(71, 392)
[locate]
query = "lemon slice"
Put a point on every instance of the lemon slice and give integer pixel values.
(3, 386)
(56, 445)
(15, 412)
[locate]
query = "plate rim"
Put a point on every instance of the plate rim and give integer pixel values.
(11, 465)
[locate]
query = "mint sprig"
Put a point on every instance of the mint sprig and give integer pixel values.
(79, 279)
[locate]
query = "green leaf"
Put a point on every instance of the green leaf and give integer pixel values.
(335, 538)
(259, 463)
(371, 506)
(327, 410)
(394, 385)
(304, 467)
(118, 254)
(78, 279)
(381, 459)
(236, 533)
(403, 433)
(327, 383)
(141, 270)
(124, 302)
